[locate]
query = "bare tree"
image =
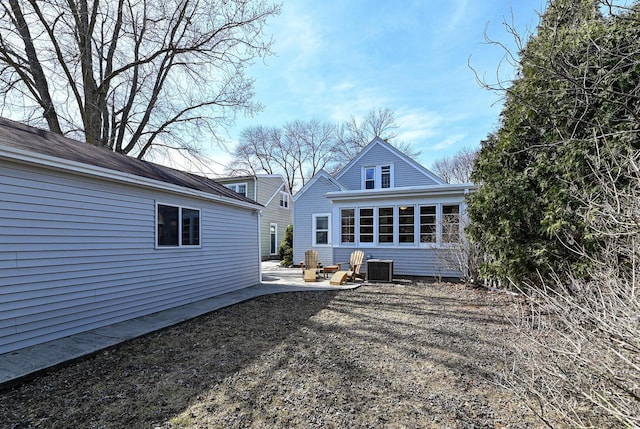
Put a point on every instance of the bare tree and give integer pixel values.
(354, 134)
(315, 143)
(130, 75)
(456, 168)
(306, 147)
(579, 362)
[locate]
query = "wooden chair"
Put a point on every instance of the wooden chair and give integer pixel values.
(355, 264)
(311, 266)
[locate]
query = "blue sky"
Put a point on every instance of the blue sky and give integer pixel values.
(337, 58)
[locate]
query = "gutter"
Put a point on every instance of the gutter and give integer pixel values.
(60, 164)
(411, 191)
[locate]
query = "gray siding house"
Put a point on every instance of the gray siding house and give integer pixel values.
(89, 237)
(389, 206)
(272, 192)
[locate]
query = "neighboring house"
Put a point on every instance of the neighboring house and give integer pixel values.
(387, 205)
(89, 237)
(272, 192)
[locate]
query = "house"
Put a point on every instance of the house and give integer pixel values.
(389, 206)
(90, 237)
(272, 192)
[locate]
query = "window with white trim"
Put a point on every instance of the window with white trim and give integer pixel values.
(385, 225)
(428, 228)
(369, 178)
(451, 223)
(321, 229)
(284, 200)
(240, 188)
(177, 226)
(385, 176)
(347, 226)
(377, 177)
(366, 225)
(406, 224)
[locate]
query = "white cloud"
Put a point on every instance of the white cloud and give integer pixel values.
(448, 142)
(416, 125)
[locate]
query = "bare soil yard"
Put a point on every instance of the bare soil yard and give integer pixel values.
(392, 356)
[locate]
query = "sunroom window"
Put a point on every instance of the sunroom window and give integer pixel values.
(428, 224)
(406, 224)
(348, 224)
(450, 223)
(366, 225)
(385, 225)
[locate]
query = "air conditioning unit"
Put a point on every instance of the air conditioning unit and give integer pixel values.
(379, 270)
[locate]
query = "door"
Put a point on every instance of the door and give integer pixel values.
(273, 232)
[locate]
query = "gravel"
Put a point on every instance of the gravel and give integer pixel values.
(410, 355)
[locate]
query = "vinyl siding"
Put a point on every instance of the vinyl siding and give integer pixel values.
(311, 202)
(404, 173)
(420, 262)
(78, 253)
(251, 186)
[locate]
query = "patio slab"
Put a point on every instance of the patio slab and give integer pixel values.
(31, 361)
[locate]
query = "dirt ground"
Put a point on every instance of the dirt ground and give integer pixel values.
(391, 356)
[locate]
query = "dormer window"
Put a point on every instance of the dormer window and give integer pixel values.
(240, 188)
(377, 177)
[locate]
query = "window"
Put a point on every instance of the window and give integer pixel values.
(385, 225)
(369, 178)
(284, 200)
(321, 229)
(240, 188)
(450, 223)
(177, 226)
(347, 225)
(366, 225)
(385, 176)
(377, 177)
(427, 224)
(406, 225)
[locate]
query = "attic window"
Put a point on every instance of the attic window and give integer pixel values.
(369, 178)
(385, 175)
(284, 200)
(378, 177)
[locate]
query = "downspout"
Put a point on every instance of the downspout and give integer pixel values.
(259, 216)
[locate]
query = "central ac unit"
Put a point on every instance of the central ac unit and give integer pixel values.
(379, 270)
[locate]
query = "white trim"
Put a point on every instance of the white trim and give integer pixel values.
(236, 186)
(409, 191)
(275, 252)
(314, 179)
(287, 200)
(378, 141)
(377, 176)
(313, 229)
(61, 164)
(179, 245)
(395, 206)
(274, 195)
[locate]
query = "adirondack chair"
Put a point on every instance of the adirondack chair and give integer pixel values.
(355, 263)
(311, 269)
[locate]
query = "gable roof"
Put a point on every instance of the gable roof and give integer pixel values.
(377, 141)
(32, 145)
(314, 179)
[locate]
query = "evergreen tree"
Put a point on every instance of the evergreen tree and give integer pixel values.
(576, 98)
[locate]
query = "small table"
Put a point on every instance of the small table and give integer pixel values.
(331, 269)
